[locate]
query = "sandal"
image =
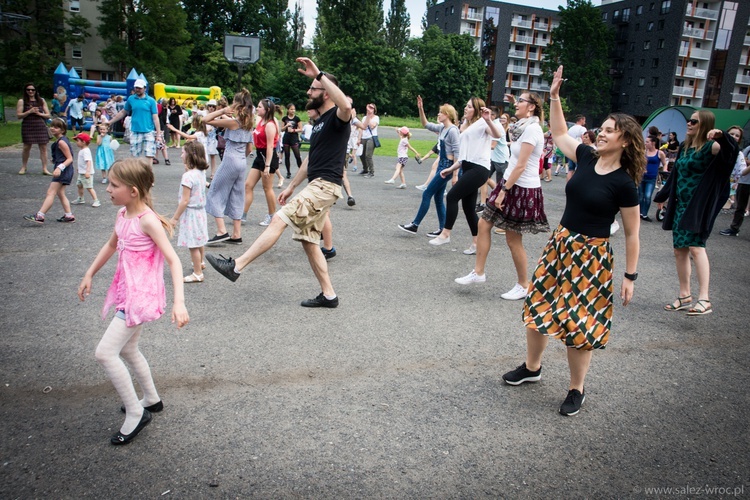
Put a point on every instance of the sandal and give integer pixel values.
(701, 308)
(680, 303)
(203, 265)
(193, 278)
(22, 171)
(47, 172)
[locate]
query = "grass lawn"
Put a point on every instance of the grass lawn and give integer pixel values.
(10, 133)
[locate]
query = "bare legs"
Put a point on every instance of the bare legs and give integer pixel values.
(42, 156)
(702, 270)
(579, 360)
(55, 189)
(518, 252)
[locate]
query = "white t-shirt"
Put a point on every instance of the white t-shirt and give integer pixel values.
(576, 131)
(530, 177)
(373, 127)
(84, 155)
(475, 144)
(307, 131)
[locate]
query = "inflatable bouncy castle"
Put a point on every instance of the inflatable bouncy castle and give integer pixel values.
(200, 94)
(68, 85)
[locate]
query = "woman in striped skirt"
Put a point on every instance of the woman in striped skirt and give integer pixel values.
(571, 294)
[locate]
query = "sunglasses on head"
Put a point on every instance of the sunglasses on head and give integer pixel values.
(693, 121)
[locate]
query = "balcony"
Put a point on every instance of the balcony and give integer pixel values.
(471, 32)
(541, 26)
(747, 40)
(522, 39)
(697, 33)
(691, 72)
(696, 53)
(520, 23)
(702, 13)
(535, 72)
(516, 68)
(518, 54)
(542, 42)
(743, 79)
(519, 84)
(540, 87)
(741, 98)
(472, 16)
(534, 56)
(687, 92)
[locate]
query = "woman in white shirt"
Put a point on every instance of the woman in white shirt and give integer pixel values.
(516, 204)
(477, 132)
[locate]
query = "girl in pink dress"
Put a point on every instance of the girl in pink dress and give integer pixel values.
(137, 290)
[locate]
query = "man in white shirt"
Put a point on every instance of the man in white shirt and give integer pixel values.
(576, 131)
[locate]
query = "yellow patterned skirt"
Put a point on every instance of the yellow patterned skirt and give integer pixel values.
(570, 296)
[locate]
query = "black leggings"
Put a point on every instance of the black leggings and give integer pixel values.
(474, 176)
(287, 160)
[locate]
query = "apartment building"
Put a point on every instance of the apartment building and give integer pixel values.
(86, 57)
(666, 52)
(510, 38)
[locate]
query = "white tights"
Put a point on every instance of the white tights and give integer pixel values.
(119, 340)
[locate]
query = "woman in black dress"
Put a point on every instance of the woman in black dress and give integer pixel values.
(33, 112)
(291, 127)
(173, 112)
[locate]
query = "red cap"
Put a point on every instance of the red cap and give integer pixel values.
(84, 137)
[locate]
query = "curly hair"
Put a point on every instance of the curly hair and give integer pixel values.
(243, 109)
(634, 154)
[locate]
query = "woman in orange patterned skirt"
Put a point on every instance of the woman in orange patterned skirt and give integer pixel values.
(570, 297)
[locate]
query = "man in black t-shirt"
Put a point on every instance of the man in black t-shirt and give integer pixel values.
(306, 213)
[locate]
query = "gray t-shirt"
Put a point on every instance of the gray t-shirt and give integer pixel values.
(450, 136)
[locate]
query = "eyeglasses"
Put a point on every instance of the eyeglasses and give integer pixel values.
(693, 121)
(521, 99)
(316, 88)
(30, 90)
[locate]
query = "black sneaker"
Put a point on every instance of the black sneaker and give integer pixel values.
(167, 162)
(34, 218)
(350, 201)
(218, 239)
(572, 403)
(435, 234)
(660, 214)
(288, 175)
(235, 241)
(729, 232)
(329, 254)
(364, 172)
(223, 265)
(409, 228)
(321, 301)
(479, 207)
(370, 175)
(67, 218)
(521, 375)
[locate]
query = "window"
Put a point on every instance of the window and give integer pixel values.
(647, 45)
(660, 43)
(649, 100)
(626, 14)
(452, 9)
(655, 81)
(79, 70)
(107, 76)
(632, 46)
(660, 25)
(75, 6)
(639, 10)
(436, 15)
(604, 16)
(650, 26)
(643, 63)
(631, 64)
(637, 99)
(665, 6)
(655, 62)
(630, 80)
(651, 7)
(625, 98)
(77, 53)
(637, 27)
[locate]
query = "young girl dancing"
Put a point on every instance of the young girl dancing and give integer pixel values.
(191, 211)
(137, 290)
(403, 156)
(105, 157)
(200, 134)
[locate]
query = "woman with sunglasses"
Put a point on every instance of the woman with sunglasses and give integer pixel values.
(33, 112)
(696, 189)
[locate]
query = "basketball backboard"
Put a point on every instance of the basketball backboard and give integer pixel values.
(242, 49)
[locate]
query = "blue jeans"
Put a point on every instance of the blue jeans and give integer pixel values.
(645, 193)
(435, 190)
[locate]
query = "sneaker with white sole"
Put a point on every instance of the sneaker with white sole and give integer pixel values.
(472, 250)
(78, 201)
(516, 293)
(266, 221)
(470, 278)
(402, 186)
(410, 228)
(435, 234)
(96, 203)
(521, 375)
(421, 187)
(572, 404)
(389, 181)
(104, 181)
(440, 241)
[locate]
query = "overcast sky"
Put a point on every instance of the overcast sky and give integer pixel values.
(416, 10)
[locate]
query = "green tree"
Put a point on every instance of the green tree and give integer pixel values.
(582, 44)
(397, 26)
(33, 46)
(149, 35)
(425, 21)
(451, 70)
(297, 28)
(341, 20)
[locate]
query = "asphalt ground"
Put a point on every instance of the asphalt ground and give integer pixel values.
(397, 393)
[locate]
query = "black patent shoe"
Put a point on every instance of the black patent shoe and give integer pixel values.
(154, 408)
(120, 438)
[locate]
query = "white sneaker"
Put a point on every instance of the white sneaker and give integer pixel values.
(402, 186)
(266, 221)
(472, 250)
(96, 203)
(78, 201)
(614, 228)
(470, 278)
(440, 241)
(104, 181)
(390, 181)
(421, 187)
(516, 293)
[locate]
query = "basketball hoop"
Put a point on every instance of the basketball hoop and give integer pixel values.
(241, 50)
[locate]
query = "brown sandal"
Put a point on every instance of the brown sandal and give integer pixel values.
(680, 303)
(701, 308)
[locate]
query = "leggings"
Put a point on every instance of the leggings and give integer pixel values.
(287, 160)
(474, 176)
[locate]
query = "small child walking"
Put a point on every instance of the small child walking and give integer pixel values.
(191, 210)
(403, 156)
(200, 133)
(85, 171)
(105, 156)
(62, 158)
(137, 291)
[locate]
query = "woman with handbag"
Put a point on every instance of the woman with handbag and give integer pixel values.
(369, 140)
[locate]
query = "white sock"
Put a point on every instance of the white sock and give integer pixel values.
(237, 270)
(138, 364)
(108, 356)
(330, 297)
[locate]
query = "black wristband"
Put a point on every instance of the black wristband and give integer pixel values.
(631, 277)
(320, 75)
